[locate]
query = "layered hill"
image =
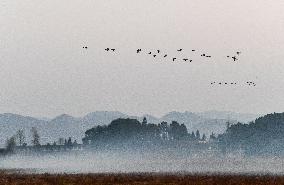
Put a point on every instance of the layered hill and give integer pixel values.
(64, 126)
(263, 136)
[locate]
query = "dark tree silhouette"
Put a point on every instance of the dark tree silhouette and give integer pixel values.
(144, 122)
(263, 136)
(192, 136)
(177, 131)
(35, 135)
(212, 136)
(164, 130)
(197, 135)
(203, 137)
(122, 131)
(21, 137)
(11, 144)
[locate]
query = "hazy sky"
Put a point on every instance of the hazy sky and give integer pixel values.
(45, 72)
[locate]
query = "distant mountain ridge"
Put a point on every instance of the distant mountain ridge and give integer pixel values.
(241, 117)
(64, 125)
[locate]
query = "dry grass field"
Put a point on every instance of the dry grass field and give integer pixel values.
(137, 179)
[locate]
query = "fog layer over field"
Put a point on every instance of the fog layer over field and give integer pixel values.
(115, 162)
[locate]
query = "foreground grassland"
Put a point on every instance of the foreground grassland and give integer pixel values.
(137, 179)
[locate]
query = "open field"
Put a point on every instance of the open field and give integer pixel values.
(136, 178)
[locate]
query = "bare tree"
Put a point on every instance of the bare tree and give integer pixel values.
(11, 144)
(21, 137)
(61, 141)
(36, 137)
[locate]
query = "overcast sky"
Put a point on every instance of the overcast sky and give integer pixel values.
(45, 72)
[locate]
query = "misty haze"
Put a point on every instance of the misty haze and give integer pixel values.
(141, 92)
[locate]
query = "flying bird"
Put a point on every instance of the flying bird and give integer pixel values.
(193, 50)
(234, 58)
(154, 55)
(85, 47)
(139, 50)
(158, 51)
(150, 53)
(174, 59)
(165, 55)
(179, 50)
(113, 49)
(107, 49)
(238, 52)
(185, 59)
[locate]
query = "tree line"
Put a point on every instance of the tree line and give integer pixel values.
(263, 136)
(131, 130)
(19, 140)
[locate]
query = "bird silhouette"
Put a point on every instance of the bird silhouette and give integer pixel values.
(85, 47)
(238, 52)
(193, 50)
(174, 59)
(203, 55)
(154, 55)
(190, 60)
(185, 59)
(165, 55)
(112, 49)
(158, 51)
(234, 58)
(138, 50)
(107, 49)
(150, 53)
(228, 56)
(179, 50)
(251, 83)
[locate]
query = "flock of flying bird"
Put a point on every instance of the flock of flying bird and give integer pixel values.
(232, 83)
(158, 52)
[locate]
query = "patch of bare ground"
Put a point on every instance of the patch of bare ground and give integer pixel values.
(137, 179)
